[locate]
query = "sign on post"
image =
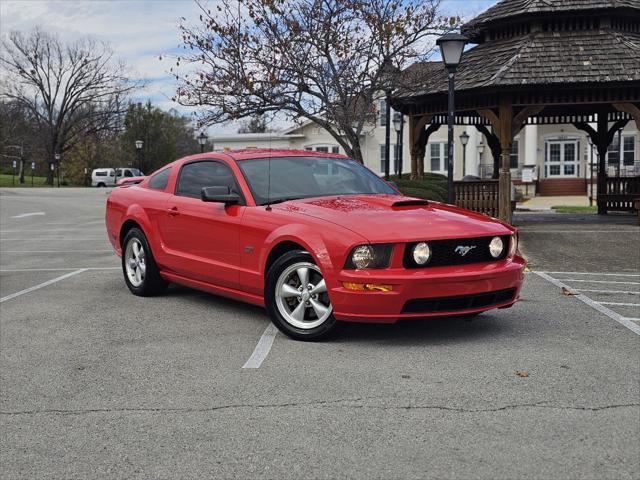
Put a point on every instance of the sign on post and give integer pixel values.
(15, 164)
(33, 165)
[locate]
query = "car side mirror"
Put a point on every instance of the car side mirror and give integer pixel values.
(219, 195)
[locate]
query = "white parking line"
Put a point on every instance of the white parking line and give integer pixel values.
(621, 304)
(262, 348)
(608, 232)
(32, 214)
(625, 321)
(8, 270)
(56, 251)
(42, 285)
(599, 274)
(596, 281)
(607, 291)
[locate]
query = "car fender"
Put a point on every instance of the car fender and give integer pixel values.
(137, 214)
(316, 242)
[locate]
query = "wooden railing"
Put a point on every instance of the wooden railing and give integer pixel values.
(480, 196)
(620, 194)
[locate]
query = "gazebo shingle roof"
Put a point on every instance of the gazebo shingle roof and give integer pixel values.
(507, 9)
(542, 58)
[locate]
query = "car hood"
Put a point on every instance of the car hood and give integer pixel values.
(395, 218)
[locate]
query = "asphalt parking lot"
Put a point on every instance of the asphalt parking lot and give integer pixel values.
(98, 383)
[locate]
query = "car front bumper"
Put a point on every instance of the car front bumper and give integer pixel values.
(428, 292)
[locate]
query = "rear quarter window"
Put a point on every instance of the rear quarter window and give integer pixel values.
(159, 180)
(101, 174)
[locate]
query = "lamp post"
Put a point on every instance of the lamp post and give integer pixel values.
(57, 157)
(590, 171)
(398, 125)
(464, 139)
(139, 145)
(388, 74)
(202, 140)
(451, 47)
(480, 160)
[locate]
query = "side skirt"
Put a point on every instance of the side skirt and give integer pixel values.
(217, 290)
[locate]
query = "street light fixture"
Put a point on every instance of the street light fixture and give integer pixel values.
(139, 145)
(464, 139)
(202, 140)
(398, 125)
(451, 48)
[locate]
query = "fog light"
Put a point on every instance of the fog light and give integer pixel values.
(371, 287)
(421, 253)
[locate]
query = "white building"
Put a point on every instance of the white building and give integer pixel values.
(557, 155)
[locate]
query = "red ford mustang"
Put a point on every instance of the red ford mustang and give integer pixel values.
(314, 238)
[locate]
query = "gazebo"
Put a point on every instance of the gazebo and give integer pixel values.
(536, 62)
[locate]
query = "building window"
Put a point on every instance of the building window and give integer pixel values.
(627, 151)
(513, 155)
(309, 149)
(322, 149)
(335, 149)
(393, 154)
(382, 114)
(438, 153)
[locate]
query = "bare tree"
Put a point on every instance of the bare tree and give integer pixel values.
(321, 60)
(71, 90)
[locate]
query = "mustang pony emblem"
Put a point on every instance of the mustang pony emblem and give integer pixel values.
(463, 250)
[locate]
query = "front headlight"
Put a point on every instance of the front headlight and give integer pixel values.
(496, 247)
(369, 256)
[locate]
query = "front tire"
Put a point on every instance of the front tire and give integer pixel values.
(296, 298)
(141, 274)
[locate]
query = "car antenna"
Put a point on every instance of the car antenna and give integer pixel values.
(268, 209)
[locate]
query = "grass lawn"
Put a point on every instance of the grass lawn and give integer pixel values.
(5, 181)
(570, 209)
(432, 187)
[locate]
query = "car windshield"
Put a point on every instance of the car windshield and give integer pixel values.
(305, 177)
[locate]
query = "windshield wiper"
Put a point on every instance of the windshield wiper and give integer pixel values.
(280, 200)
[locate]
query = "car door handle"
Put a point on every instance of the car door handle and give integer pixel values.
(173, 211)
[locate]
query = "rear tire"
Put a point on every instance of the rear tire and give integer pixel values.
(101, 185)
(141, 274)
(296, 298)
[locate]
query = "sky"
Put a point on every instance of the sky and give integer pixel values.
(140, 31)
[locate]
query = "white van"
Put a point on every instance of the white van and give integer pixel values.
(104, 177)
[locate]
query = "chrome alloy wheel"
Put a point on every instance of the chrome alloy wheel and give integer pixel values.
(301, 296)
(134, 262)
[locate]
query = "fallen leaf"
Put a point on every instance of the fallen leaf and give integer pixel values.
(522, 373)
(566, 291)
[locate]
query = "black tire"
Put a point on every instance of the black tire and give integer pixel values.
(152, 283)
(322, 331)
(101, 185)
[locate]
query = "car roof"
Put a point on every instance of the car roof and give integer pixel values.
(253, 153)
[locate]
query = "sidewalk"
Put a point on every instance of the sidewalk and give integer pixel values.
(544, 204)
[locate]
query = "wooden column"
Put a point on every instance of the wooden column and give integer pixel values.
(416, 145)
(502, 124)
(505, 134)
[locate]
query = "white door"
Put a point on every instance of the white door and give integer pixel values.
(561, 158)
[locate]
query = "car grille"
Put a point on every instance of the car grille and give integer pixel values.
(463, 302)
(443, 252)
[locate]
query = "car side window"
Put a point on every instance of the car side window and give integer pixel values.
(160, 179)
(127, 173)
(196, 175)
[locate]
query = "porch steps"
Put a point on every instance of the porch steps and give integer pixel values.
(551, 187)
